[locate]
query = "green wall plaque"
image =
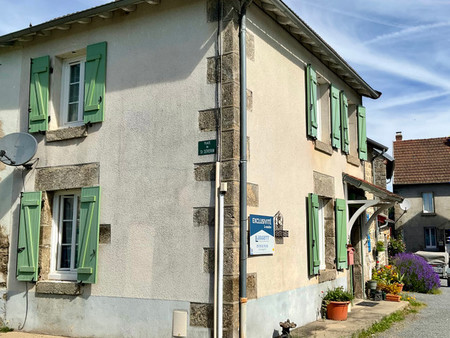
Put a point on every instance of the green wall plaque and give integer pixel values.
(207, 147)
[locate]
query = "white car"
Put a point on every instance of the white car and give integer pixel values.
(439, 262)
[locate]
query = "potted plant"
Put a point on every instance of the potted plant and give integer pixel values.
(380, 246)
(372, 284)
(389, 281)
(337, 301)
(392, 292)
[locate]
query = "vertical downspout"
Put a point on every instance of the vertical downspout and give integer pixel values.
(218, 210)
(243, 172)
(220, 263)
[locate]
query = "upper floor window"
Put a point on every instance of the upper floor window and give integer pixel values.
(77, 96)
(323, 110)
(332, 118)
(428, 203)
(318, 103)
(72, 100)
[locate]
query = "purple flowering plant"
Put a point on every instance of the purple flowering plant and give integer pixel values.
(418, 274)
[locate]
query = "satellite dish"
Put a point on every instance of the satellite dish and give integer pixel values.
(17, 148)
(405, 205)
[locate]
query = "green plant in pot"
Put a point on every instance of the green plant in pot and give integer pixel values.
(380, 246)
(337, 301)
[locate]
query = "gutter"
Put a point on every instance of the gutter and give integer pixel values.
(243, 171)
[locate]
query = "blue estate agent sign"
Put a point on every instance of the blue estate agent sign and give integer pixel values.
(207, 147)
(262, 240)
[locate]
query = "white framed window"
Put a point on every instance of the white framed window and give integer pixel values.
(64, 245)
(323, 110)
(72, 89)
(430, 238)
(322, 203)
(319, 113)
(428, 203)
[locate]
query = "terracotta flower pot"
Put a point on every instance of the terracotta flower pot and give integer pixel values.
(400, 287)
(337, 310)
(393, 298)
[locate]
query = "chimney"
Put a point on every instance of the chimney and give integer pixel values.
(398, 136)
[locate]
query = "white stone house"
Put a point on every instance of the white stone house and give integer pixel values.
(157, 122)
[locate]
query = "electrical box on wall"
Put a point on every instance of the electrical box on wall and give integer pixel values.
(179, 324)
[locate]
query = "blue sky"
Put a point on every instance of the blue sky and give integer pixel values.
(401, 48)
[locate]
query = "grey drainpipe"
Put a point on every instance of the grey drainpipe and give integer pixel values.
(243, 172)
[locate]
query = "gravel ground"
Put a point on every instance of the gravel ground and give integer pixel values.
(431, 321)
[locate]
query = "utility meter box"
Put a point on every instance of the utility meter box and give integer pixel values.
(350, 255)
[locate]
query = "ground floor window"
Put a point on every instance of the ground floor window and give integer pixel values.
(430, 238)
(66, 224)
(322, 203)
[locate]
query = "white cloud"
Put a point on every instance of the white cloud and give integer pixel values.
(410, 99)
(350, 14)
(407, 32)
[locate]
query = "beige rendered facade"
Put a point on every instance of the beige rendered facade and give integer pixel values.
(172, 80)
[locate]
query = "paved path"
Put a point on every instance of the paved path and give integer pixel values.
(432, 321)
(362, 316)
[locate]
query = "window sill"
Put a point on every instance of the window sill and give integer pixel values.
(58, 288)
(323, 147)
(66, 133)
(65, 276)
(428, 214)
(353, 160)
(327, 275)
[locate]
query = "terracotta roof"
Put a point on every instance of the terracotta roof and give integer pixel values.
(378, 191)
(422, 161)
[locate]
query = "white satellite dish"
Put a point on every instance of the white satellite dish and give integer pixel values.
(17, 148)
(405, 205)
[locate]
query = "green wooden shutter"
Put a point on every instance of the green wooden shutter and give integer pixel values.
(345, 137)
(311, 100)
(94, 83)
(335, 118)
(341, 234)
(313, 233)
(28, 243)
(88, 235)
(38, 104)
(362, 137)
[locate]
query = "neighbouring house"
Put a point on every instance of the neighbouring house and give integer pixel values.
(422, 176)
(201, 166)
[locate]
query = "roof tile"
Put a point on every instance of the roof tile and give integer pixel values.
(422, 161)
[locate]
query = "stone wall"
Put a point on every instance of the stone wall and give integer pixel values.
(379, 171)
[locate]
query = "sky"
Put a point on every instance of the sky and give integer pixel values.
(401, 48)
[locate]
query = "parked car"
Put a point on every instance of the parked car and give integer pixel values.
(439, 262)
